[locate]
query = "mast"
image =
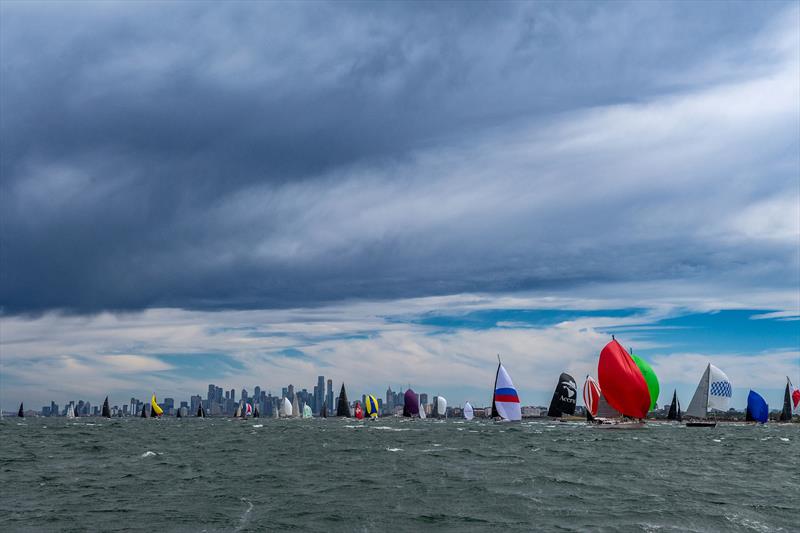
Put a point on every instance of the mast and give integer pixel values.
(495, 414)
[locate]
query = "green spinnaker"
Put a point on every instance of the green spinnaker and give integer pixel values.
(649, 378)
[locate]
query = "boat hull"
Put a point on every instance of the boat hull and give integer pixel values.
(701, 424)
(619, 425)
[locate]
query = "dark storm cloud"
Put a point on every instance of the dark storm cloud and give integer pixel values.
(271, 155)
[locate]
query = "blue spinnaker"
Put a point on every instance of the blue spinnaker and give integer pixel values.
(757, 408)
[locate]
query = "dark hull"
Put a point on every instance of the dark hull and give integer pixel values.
(701, 424)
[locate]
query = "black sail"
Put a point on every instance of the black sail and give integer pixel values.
(144, 411)
(200, 412)
(256, 414)
(673, 407)
(786, 412)
(21, 412)
(564, 397)
(179, 415)
(324, 412)
(343, 409)
(495, 414)
(106, 409)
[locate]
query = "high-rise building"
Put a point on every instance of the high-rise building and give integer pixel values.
(290, 392)
(319, 394)
(233, 395)
(212, 393)
(389, 398)
(244, 395)
(331, 405)
(423, 398)
(257, 394)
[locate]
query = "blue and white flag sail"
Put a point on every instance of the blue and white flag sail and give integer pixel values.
(505, 403)
(720, 390)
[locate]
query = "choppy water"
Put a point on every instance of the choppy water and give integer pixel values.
(340, 475)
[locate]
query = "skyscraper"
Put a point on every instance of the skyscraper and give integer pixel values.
(319, 394)
(330, 395)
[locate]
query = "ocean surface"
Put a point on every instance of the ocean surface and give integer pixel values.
(394, 475)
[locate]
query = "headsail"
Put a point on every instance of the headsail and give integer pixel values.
(248, 410)
(410, 404)
(649, 377)
(469, 412)
(306, 411)
(70, 411)
(622, 382)
(795, 395)
(505, 402)
(343, 408)
(256, 413)
(757, 409)
(155, 409)
(106, 410)
(144, 410)
(591, 397)
(564, 398)
(296, 407)
(421, 407)
(674, 407)
(372, 406)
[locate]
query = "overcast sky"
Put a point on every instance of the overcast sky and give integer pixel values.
(178, 170)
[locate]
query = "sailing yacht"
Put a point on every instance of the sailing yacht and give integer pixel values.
(790, 395)
(296, 407)
(307, 411)
(564, 398)
(106, 410)
(324, 412)
(591, 397)
(439, 407)
(624, 390)
(675, 408)
(505, 400)
(372, 407)
(469, 412)
(343, 408)
(70, 411)
(21, 412)
(286, 408)
(410, 404)
(200, 411)
(359, 413)
(713, 392)
(757, 409)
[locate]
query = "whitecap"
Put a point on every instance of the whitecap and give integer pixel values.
(717, 440)
(258, 425)
(784, 439)
(148, 453)
(394, 449)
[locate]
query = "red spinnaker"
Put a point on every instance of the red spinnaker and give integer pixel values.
(359, 411)
(622, 383)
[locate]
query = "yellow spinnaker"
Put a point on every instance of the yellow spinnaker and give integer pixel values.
(372, 406)
(155, 410)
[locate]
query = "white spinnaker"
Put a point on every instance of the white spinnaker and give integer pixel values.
(720, 389)
(508, 410)
(441, 406)
(286, 408)
(421, 409)
(468, 411)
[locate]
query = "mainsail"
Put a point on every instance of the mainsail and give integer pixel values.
(622, 382)
(155, 409)
(564, 397)
(591, 397)
(439, 407)
(144, 410)
(296, 407)
(324, 412)
(106, 410)
(757, 409)
(674, 408)
(238, 412)
(306, 411)
(372, 406)
(410, 404)
(343, 408)
(21, 412)
(256, 414)
(505, 402)
(469, 413)
(421, 407)
(70, 412)
(649, 378)
(713, 392)
(786, 411)
(200, 412)
(286, 408)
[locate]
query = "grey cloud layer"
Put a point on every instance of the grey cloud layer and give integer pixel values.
(275, 155)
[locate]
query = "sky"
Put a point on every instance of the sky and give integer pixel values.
(392, 193)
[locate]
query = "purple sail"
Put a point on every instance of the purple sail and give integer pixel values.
(411, 403)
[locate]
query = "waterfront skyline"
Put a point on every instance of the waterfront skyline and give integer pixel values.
(241, 193)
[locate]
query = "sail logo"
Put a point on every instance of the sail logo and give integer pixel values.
(721, 388)
(570, 388)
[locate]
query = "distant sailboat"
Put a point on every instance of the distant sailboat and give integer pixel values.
(144, 411)
(296, 407)
(421, 408)
(564, 398)
(789, 395)
(106, 409)
(372, 406)
(469, 413)
(200, 412)
(256, 414)
(307, 411)
(439, 407)
(505, 401)
(324, 412)
(410, 404)
(286, 408)
(155, 409)
(757, 409)
(713, 392)
(359, 413)
(674, 408)
(70, 412)
(178, 414)
(21, 412)
(237, 413)
(343, 408)
(591, 397)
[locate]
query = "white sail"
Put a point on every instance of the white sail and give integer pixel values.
(441, 406)
(70, 412)
(286, 408)
(295, 407)
(720, 389)
(469, 414)
(506, 400)
(306, 411)
(421, 409)
(698, 407)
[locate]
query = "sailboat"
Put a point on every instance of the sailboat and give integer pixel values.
(324, 412)
(505, 401)
(296, 407)
(106, 410)
(247, 411)
(178, 414)
(421, 408)
(256, 414)
(155, 409)
(757, 409)
(238, 411)
(343, 408)
(623, 386)
(674, 408)
(144, 411)
(410, 404)
(359, 413)
(200, 412)
(790, 394)
(21, 412)
(564, 398)
(286, 408)
(372, 406)
(591, 397)
(469, 413)
(70, 411)
(306, 411)
(439, 407)
(713, 392)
